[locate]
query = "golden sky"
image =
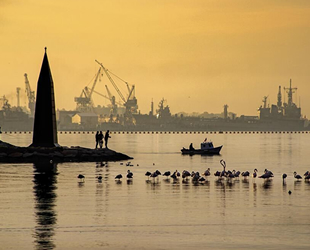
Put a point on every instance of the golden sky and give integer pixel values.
(197, 54)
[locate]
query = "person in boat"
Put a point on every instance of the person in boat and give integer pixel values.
(191, 147)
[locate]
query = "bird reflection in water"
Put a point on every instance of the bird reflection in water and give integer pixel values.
(166, 180)
(297, 184)
(219, 184)
(153, 185)
(129, 182)
(267, 184)
(45, 179)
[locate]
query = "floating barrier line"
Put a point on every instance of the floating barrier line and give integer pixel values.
(169, 132)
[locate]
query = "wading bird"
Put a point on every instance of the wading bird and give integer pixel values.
(118, 177)
(81, 177)
(297, 176)
(255, 173)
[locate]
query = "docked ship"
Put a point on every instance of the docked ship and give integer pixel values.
(277, 117)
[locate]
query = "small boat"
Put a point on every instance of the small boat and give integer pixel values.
(206, 148)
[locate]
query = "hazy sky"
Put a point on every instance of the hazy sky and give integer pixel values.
(197, 54)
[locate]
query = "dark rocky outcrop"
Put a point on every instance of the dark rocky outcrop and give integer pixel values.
(13, 154)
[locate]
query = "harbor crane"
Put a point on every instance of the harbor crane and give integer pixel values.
(113, 101)
(130, 102)
(84, 102)
(30, 96)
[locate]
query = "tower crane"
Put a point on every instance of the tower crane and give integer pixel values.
(30, 96)
(113, 102)
(130, 102)
(84, 101)
(109, 98)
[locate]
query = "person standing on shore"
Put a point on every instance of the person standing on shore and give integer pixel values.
(97, 139)
(100, 139)
(106, 138)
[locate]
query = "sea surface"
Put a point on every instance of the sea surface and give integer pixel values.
(48, 207)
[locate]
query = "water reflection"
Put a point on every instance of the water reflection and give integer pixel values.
(267, 184)
(45, 179)
(297, 185)
(118, 182)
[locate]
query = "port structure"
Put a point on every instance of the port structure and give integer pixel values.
(130, 101)
(286, 111)
(85, 103)
(30, 96)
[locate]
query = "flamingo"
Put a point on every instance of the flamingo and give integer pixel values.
(175, 175)
(223, 163)
(185, 174)
(158, 172)
(154, 175)
(266, 175)
(129, 175)
(230, 174)
(207, 172)
(255, 173)
(118, 177)
(148, 174)
(178, 173)
(236, 174)
(167, 173)
(81, 177)
(201, 179)
(245, 174)
(196, 177)
(217, 173)
(297, 176)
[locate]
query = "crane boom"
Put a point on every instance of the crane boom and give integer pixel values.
(30, 96)
(94, 84)
(108, 91)
(84, 101)
(107, 97)
(112, 81)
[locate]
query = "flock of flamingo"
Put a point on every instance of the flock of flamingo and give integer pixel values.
(196, 177)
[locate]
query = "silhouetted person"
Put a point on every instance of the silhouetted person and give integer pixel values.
(97, 139)
(106, 138)
(191, 147)
(100, 139)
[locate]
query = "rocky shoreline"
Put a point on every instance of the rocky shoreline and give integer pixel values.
(13, 154)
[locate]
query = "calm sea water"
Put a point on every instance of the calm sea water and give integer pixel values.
(46, 207)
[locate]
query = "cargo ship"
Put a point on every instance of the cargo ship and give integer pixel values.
(283, 116)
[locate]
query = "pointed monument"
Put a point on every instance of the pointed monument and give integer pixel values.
(45, 129)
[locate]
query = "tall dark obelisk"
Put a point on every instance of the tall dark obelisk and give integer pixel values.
(45, 129)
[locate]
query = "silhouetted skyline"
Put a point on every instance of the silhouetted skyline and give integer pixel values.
(199, 56)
